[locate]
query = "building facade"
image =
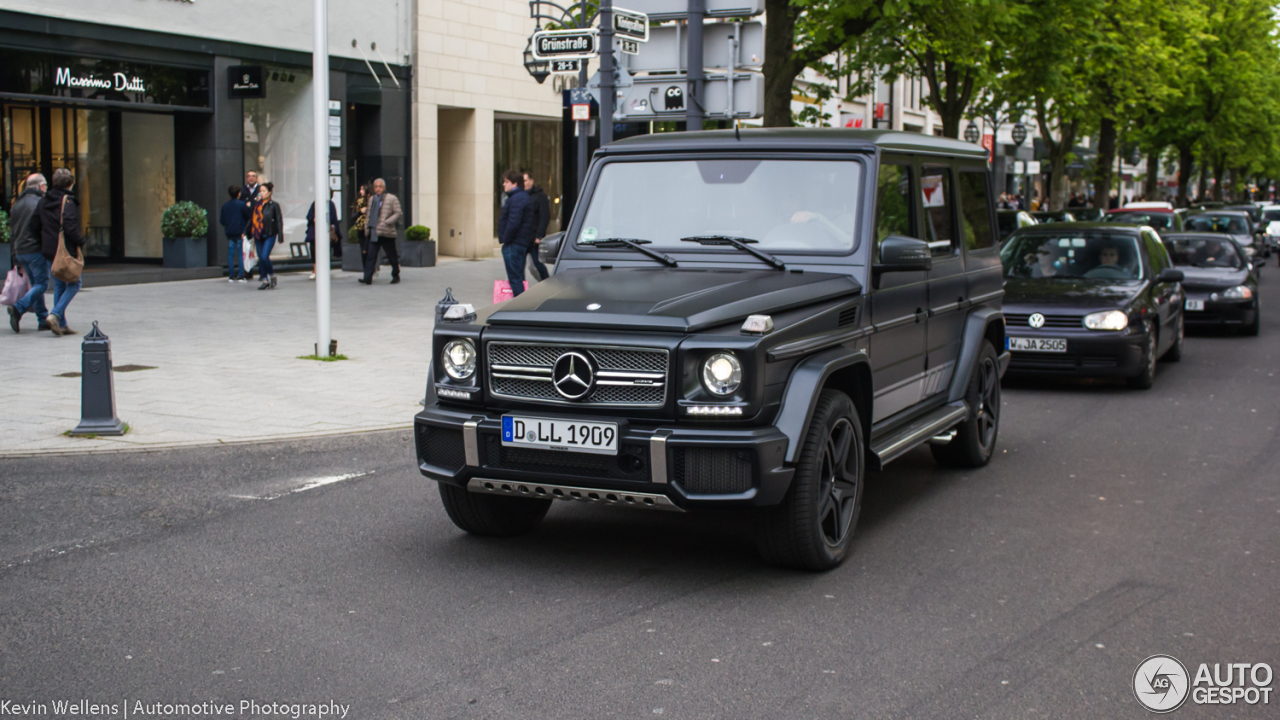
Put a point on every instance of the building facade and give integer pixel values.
(154, 101)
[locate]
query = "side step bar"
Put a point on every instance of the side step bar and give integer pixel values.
(894, 445)
(648, 501)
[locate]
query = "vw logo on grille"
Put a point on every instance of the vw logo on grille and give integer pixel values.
(1036, 320)
(574, 375)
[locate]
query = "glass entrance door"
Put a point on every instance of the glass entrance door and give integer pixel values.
(42, 139)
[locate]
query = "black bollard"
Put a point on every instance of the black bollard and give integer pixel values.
(97, 387)
(445, 303)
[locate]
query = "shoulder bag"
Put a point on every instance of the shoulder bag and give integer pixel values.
(66, 267)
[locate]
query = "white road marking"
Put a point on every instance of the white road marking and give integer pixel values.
(306, 485)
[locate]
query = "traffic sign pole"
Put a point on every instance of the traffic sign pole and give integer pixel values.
(693, 95)
(582, 125)
(607, 93)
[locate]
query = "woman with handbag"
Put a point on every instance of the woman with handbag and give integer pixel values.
(62, 244)
(360, 213)
(265, 225)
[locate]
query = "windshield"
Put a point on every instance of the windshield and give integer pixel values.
(788, 205)
(1092, 255)
(1271, 215)
(1213, 222)
(1159, 221)
(1204, 253)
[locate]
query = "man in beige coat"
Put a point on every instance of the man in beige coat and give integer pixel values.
(384, 216)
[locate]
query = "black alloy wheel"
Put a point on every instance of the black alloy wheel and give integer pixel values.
(975, 440)
(812, 528)
(1146, 376)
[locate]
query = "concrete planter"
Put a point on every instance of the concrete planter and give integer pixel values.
(186, 252)
(418, 253)
(351, 260)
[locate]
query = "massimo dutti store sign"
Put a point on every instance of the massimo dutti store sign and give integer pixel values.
(96, 81)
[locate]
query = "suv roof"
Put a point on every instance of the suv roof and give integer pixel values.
(796, 139)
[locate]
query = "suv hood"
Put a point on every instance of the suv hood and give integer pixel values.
(665, 299)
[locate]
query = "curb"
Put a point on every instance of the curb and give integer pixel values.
(157, 447)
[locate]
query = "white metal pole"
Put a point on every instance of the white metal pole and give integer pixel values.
(320, 86)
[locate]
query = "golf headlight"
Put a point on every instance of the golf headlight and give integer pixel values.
(459, 358)
(722, 374)
(1106, 320)
(1239, 292)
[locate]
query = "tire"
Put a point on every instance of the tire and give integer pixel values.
(975, 440)
(1174, 353)
(1253, 328)
(812, 528)
(492, 515)
(1146, 376)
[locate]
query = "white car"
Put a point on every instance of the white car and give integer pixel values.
(1154, 205)
(1271, 226)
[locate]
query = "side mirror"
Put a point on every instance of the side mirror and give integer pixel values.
(1170, 275)
(901, 254)
(549, 248)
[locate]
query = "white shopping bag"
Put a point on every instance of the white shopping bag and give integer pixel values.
(249, 255)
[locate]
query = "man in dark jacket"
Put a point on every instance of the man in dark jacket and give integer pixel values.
(515, 229)
(57, 217)
(542, 206)
(24, 232)
(234, 218)
(251, 189)
(311, 232)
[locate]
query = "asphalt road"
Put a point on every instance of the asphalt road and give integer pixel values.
(1113, 525)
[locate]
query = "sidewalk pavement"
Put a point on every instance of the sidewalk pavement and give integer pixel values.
(225, 359)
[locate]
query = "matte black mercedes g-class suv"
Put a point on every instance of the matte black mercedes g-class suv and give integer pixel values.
(735, 321)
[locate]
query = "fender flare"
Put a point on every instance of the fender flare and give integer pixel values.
(975, 331)
(801, 396)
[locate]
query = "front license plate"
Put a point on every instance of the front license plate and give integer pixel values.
(599, 438)
(1038, 344)
(1195, 305)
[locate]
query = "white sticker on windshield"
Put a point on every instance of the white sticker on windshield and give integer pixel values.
(589, 234)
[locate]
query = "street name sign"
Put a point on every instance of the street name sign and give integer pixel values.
(667, 50)
(631, 25)
(566, 44)
(564, 67)
(679, 9)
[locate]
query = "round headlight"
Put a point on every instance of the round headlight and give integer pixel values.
(1106, 320)
(722, 374)
(1239, 292)
(459, 359)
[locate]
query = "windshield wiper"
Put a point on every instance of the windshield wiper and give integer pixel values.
(634, 244)
(739, 242)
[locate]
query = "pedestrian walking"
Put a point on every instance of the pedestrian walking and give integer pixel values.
(265, 225)
(542, 219)
(24, 233)
(58, 216)
(234, 218)
(360, 222)
(515, 229)
(333, 234)
(249, 192)
(384, 215)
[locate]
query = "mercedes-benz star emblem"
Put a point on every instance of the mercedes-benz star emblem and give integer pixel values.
(1036, 320)
(573, 375)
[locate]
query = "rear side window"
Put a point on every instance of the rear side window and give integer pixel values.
(893, 202)
(975, 212)
(935, 188)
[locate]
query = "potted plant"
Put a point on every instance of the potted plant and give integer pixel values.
(6, 249)
(351, 260)
(185, 228)
(419, 248)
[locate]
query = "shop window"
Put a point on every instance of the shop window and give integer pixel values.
(146, 151)
(277, 145)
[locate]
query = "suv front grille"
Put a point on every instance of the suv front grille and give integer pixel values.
(627, 377)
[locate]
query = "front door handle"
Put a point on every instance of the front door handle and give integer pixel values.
(921, 314)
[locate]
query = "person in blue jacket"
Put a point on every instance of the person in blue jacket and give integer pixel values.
(517, 226)
(234, 218)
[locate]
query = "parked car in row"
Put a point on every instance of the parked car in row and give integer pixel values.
(1158, 219)
(1220, 282)
(1271, 227)
(1234, 223)
(1091, 299)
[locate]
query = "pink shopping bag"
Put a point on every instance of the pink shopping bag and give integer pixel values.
(502, 290)
(16, 287)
